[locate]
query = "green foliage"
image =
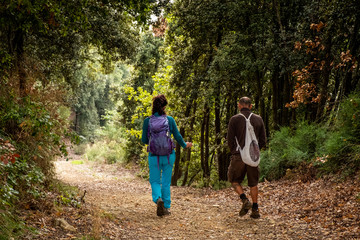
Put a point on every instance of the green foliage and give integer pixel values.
(289, 148)
(38, 131)
(68, 195)
(58, 33)
(34, 128)
(22, 180)
(215, 182)
(77, 162)
(217, 185)
(330, 148)
(38, 136)
(342, 146)
(96, 94)
(43, 45)
(10, 225)
(110, 141)
(80, 149)
(107, 152)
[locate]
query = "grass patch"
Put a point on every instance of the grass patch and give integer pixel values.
(107, 152)
(68, 195)
(77, 162)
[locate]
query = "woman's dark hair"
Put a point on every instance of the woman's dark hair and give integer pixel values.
(159, 102)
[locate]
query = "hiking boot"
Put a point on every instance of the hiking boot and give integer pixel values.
(167, 212)
(160, 210)
(255, 213)
(245, 207)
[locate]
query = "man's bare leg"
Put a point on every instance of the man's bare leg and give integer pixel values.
(237, 187)
(254, 193)
(246, 203)
(254, 196)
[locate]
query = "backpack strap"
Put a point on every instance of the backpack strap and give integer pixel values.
(152, 116)
(237, 144)
(246, 117)
(158, 160)
(169, 135)
(248, 120)
(168, 125)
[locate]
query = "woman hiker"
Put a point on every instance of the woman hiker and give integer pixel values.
(157, 131)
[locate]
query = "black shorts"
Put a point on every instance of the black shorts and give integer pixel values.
(238, 169)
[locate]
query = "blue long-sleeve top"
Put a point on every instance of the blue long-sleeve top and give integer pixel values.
(173, 130)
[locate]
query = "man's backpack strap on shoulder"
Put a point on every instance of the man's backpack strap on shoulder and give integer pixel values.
(246, 117)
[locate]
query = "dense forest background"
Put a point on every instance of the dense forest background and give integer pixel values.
(86, 72)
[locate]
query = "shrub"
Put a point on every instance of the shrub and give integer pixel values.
(10, 225)
(80, 149)
(109, 147)
(342, 145)
(334, 147)
(289, 148)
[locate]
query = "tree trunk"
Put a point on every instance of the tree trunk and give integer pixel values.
(325, 80)
(177, 170)
(204, 142)
(186, 170)
(353, 46)
(286, 98)
(188, 153)
(267, 116)
(223, 158)
(218, 131)
(18, 44)
(275, 98)
(259, 93)
(207, 120)
(202, 155)
(175, 175)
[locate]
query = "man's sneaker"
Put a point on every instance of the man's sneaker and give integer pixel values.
(255, 213)
(167, 212)
(160, 210)
(245, 207)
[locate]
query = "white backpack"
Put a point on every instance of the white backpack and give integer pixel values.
(250, 154)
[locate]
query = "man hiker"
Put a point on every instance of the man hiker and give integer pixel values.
(237, 168)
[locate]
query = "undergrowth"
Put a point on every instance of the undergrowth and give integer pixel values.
(31, 137)
(109, 145)
(329, 148)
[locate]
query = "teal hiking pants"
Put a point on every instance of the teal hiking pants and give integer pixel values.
(160, 177)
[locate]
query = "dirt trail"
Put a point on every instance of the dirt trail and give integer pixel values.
(199, 213)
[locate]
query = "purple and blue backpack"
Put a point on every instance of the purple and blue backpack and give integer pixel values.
(160, 142)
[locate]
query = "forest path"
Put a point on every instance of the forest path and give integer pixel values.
(288, 209)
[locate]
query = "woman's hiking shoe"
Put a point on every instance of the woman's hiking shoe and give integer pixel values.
(245, 207)
(160, 210)
(255, 213)
(167, 212)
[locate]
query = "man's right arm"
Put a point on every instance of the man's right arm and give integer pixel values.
(231, 134)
